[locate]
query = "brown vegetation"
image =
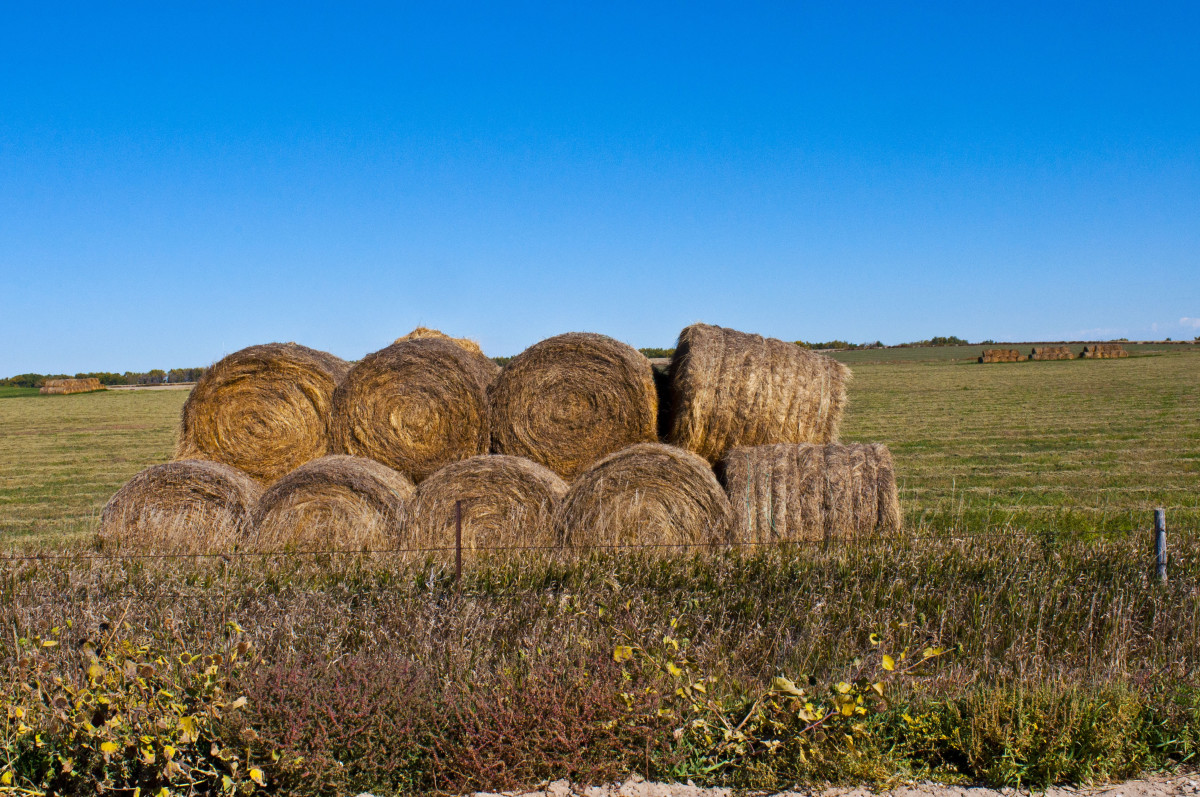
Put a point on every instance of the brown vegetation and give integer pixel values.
(732, 389)
(336, 502)
(415, 406)
(506, 501)
(811, 492)
(187, 506)
(648, 494)
(572, 399)
(63, 387)
(263, 410)
(1002, 356)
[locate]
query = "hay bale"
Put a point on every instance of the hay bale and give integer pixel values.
(336, 503)
(734, 389)
(506, 502)
(426, 332)
(188, 506)
(415, 406)
(65, 387)
(647, 494)
(793, 492)
(1051, 353)
(1104, 351)
(1001, 356)
(572, 399)
(264, 409)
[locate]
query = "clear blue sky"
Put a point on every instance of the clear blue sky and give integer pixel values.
(181, 180)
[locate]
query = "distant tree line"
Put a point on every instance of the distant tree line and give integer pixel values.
(154, 376)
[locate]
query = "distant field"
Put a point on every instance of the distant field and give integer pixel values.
(969, 354)
(1074, 446)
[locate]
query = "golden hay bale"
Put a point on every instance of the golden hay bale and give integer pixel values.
(1104, 351)
(415, 406)
(647, 494)
(337, 503)
(64, 387)
(735, 389)
(188, 506)
(506, 501)
(789, 492)
(1001, 356)
(1051, 353)
(426, 332)
(263, 410)
(572, 399)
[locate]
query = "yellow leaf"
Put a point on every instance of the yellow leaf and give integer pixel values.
(786, 685)
(874, 639)
(843, 687)
(241, 701)
(168, 751)
(188, 726)
(622, 653)
(848, 709)
(888, 662)
(699, 687)
(671, 668)
(108, 748)
(256, 775)
(163, 792)
(49, 643)
(7, 778)
(878, 687)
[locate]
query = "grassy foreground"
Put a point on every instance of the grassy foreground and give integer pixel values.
(1023, 572)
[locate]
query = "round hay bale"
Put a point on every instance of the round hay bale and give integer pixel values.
(188, 506)
(263, 410)
(506, 502)
(572, 399)
(790, 492)
(415, 406)
(335, 503)
(735, 389)
(426, 332)
(648, 494)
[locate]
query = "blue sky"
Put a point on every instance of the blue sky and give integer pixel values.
(181, 180)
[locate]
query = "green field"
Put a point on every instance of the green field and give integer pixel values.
(1074, 446)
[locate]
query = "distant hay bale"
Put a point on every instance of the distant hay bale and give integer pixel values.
(732, 389)
(426, 332)
(1002, 356)
(573, 399)
(648, 494)
(1103, 351)
(337, 503)
(811, 492)
(506, 502)
(1051, 353)
(188, 506)
(64, 387)
(264, 409)
(415, 406)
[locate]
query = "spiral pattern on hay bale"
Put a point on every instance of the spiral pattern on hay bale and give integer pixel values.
(573, 399)
(264, 409)
(649, 494)
(188, 506)
(507, 502)
(415, 406)
(337, 502)
(791, 492)
(733, 389)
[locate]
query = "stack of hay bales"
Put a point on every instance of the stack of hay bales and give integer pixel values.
(1051, 353)
(1001, 356)
(1103, 351)
(63, 387)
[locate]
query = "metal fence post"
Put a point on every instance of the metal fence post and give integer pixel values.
(1160, 544)
(458, 543)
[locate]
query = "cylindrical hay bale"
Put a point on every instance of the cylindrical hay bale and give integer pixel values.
(65, 387)
(425, 332)
(789, 492)
(189, 506)
(415, 406)
(572, 399)
(264, 410)
(736, 389)
(507, 502)
(649, 494)
(335, 503)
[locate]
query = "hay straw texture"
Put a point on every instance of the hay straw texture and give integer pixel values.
(63, 387)
(506, 501)
(1104, 351)
(426, 332)
(336, 503)
(1001, 356)
(572, 399)
(189, 506)
(1051, 353)
(811, 492)
(415, 406)
(735, 389)
(648, 494)
(264, 410)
